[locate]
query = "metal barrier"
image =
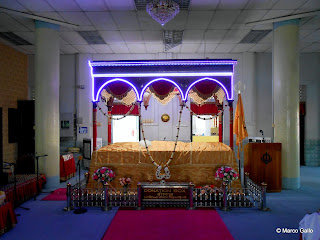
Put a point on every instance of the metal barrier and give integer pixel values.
(252, 195)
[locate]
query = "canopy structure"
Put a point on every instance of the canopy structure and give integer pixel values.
(189, 77)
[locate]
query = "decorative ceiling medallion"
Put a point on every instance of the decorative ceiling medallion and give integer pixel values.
(165, 117)
(162, 10)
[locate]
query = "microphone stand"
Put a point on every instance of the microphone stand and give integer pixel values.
(79, 210)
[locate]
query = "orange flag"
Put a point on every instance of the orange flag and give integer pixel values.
(239, 125)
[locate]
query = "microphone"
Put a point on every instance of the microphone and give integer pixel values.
(262, 135)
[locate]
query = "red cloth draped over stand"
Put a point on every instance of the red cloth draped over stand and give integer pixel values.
(8, 218)
(67, 167)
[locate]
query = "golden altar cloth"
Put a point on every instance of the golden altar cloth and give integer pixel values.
(194, 162)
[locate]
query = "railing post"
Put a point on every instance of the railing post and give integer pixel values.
(139, 207)
(191, 207)
(86, 177)
(246, 176)
(106, 197)
(263, 206)
(225, 197)
(68, 207)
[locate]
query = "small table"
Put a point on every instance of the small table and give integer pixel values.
(8, 218)
(67, 167)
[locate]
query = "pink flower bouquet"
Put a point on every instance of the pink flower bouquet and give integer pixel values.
(226, 174)
(125, 182)
(103, 174)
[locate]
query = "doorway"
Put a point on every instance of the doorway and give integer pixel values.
(126, 129)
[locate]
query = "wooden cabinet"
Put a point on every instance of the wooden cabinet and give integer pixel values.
(263, 162)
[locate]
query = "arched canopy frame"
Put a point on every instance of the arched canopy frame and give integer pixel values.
(184, 74)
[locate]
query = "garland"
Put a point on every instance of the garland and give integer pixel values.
(202, 118)
(113, 118)
(166, 166)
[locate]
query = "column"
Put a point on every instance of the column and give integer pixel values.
(47, 126)
(285, 63)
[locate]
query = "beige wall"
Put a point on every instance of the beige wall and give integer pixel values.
(13, 87)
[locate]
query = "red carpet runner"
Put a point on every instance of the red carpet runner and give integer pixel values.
(167, 225)
(58, 195)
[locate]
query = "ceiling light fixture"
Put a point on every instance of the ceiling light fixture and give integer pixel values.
(162, 10)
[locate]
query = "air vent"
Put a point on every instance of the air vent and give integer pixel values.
(14, 39)
(172, 38)
(141, 4)
(92, 37)
(254, 36)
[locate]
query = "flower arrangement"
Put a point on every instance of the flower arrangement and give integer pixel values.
(103, 174)
(125, 182)
(226, 174)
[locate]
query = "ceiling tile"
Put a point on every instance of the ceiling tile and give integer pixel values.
(203, 5)
(193, 36)
(137, 48)
(63, 42)
(190, 48)
(11, 24)
(250, 16)
(126, 20)
(176, 49)
(224, 48)
(242, 47)
(311, 5)
(304, 33)
(235, 36)
(96, 5)
(223, 19)
(78, 18)
(84, 48)
(102, 48)
(27, 22)
(36, 5)
(112, 37)
(198, 19)
(289, 4)
(146, 21)
(276, 13)
(132, 36)
(154, 47)
(28, 36)
(207, 47)
(72, 38)
(260, 47)
(3, 29)
(119, 48)
(313, 23)
(13, 4)
(102, 20)
(238, 26)
(152, 36)
(268, 26)
(214, 36)
(51, 15)
(232, 4)
(260, 4)
(304, 44)
(312, 48)
(86, 28)
(68, 49)
(64, 5)
(313, 37)
(178, 23)
(121, 5)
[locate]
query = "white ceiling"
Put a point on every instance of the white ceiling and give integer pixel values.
(209, 25)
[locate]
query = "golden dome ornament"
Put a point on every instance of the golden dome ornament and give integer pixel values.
(165, 118)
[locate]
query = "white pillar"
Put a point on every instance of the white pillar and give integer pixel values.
(47, 126)
(285, 63)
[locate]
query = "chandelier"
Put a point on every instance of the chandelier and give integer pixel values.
(162, 10)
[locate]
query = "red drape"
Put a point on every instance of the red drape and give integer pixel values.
(161, 88)
(206, 87)
(118, 88)
(119, 109)
(205, 109)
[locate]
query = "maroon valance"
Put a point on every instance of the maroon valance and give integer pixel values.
(118, 89)
(120, 109)
(205, 109)
(206, 87)
(161, 88)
